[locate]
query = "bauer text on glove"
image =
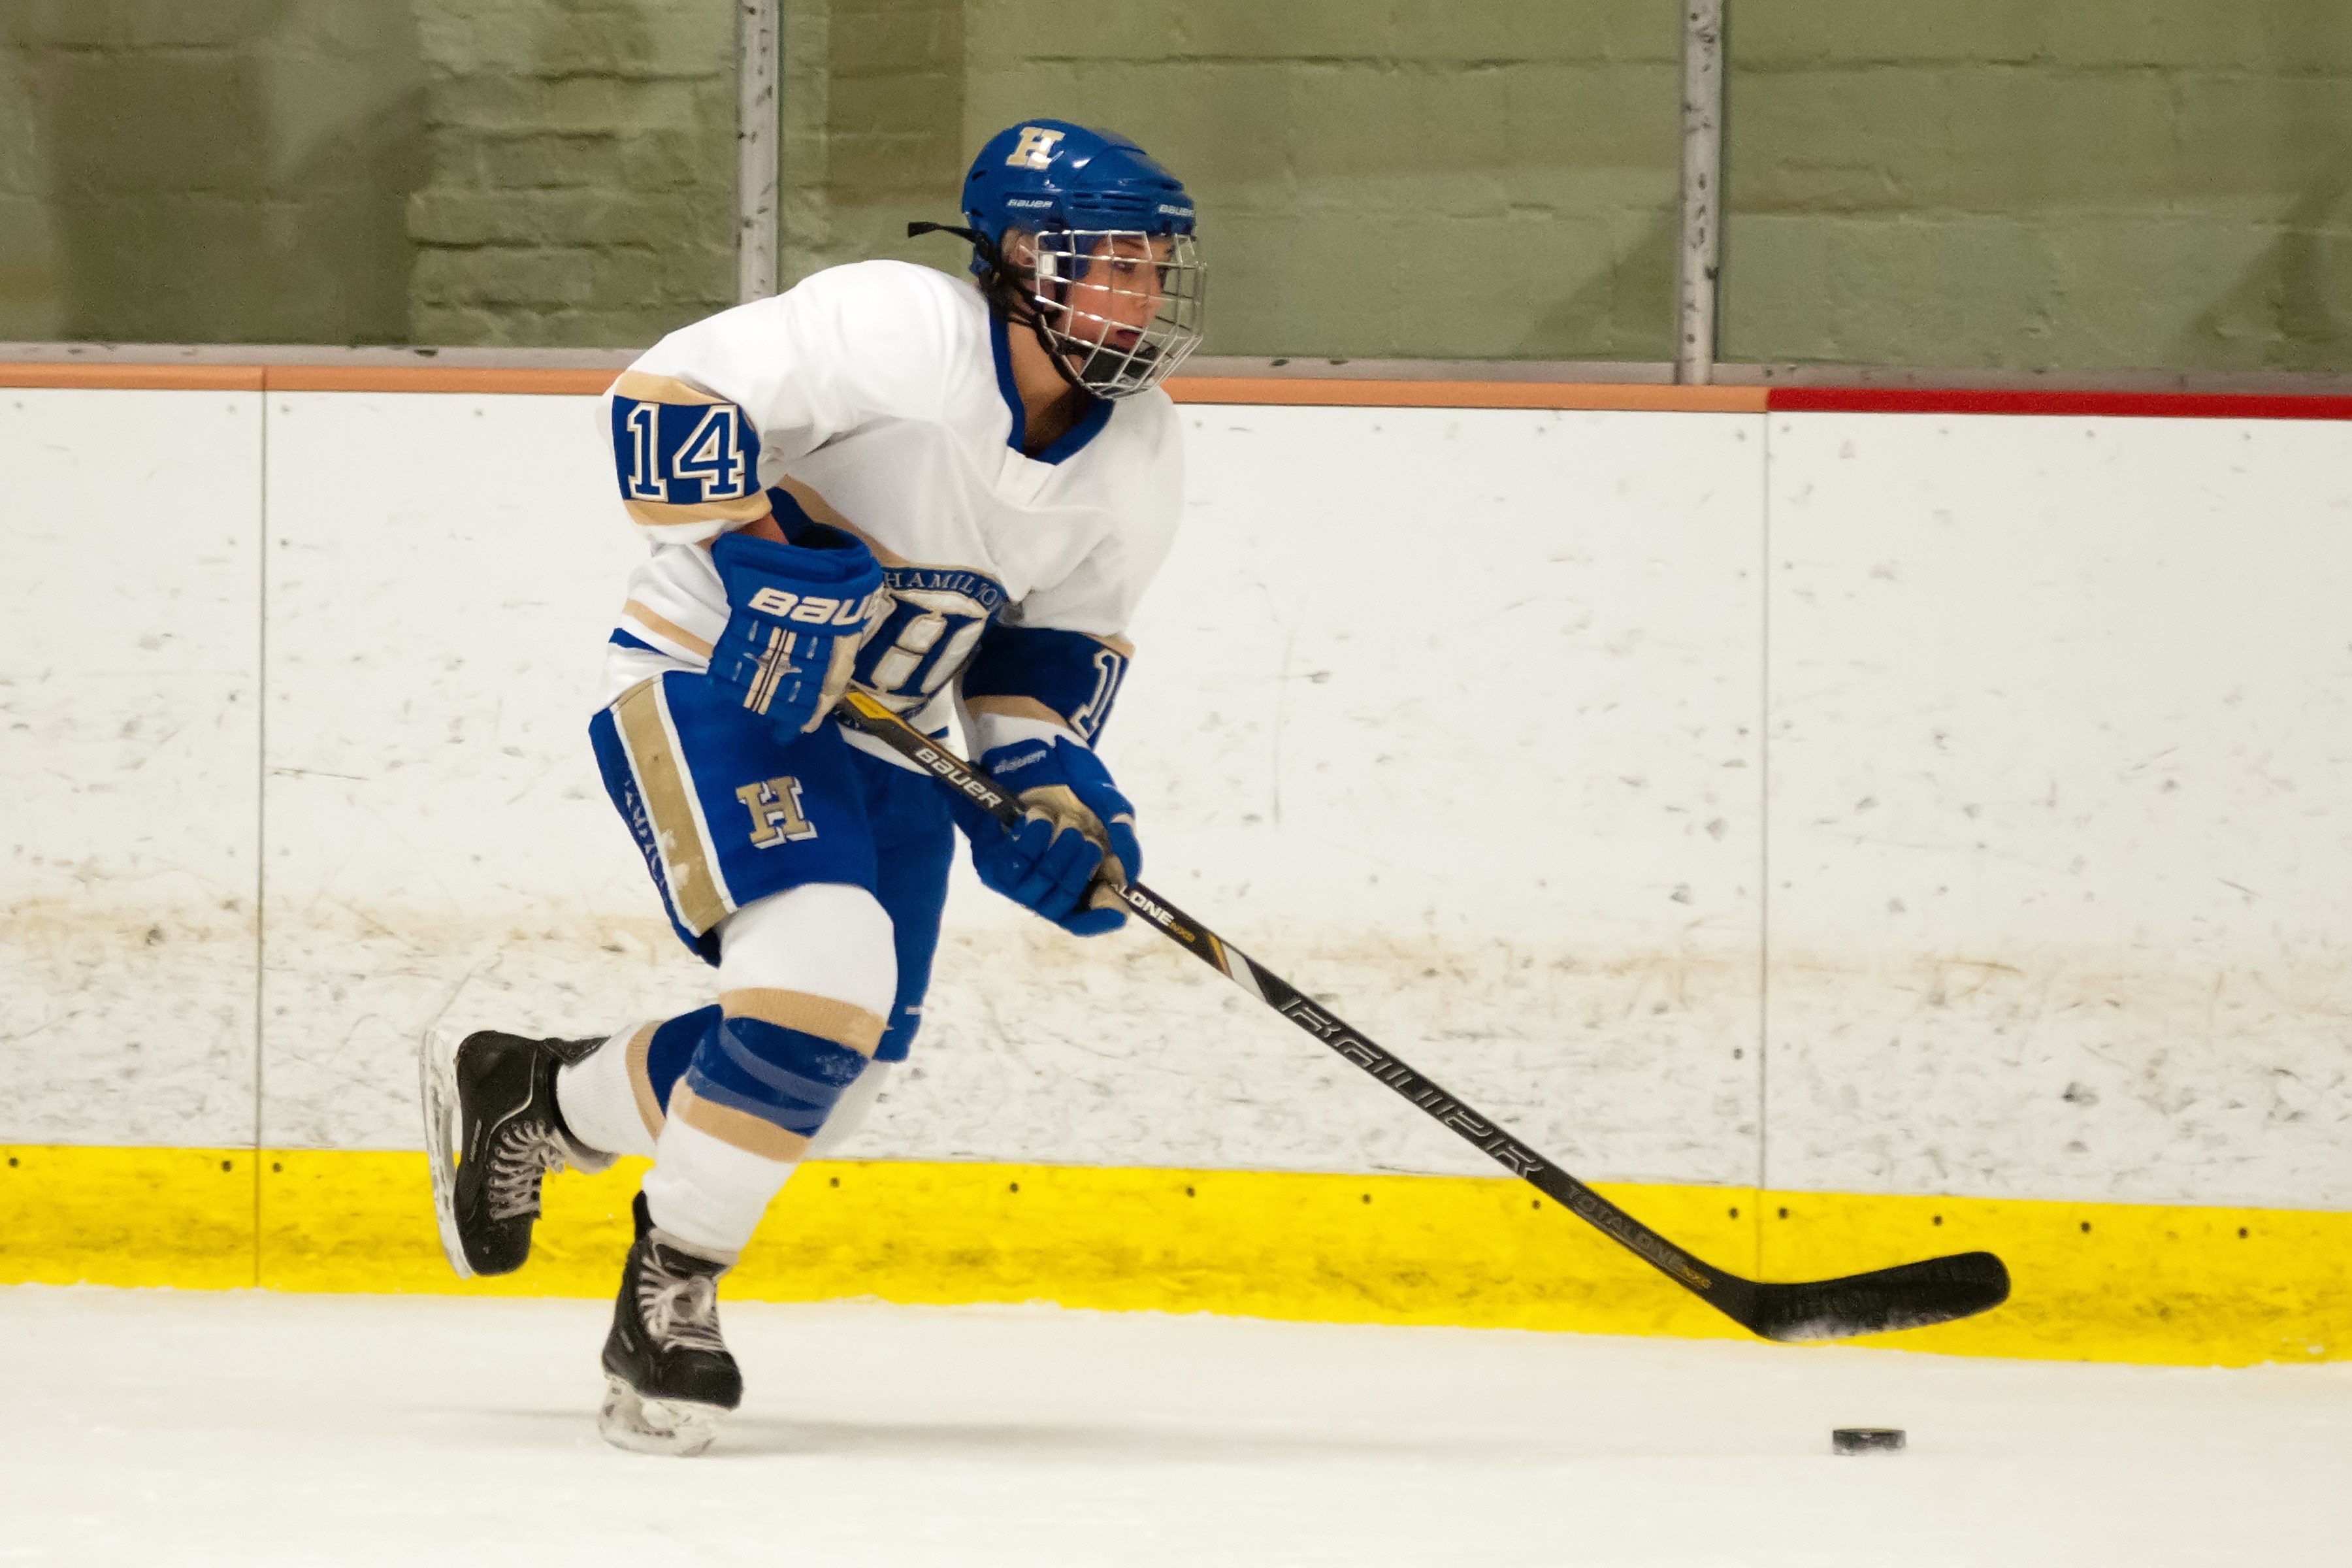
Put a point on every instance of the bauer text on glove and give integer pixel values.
(795, 615)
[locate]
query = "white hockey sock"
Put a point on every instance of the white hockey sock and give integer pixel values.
(823, 946)
(707, 1192)
(605, 1098)
(849, 1113)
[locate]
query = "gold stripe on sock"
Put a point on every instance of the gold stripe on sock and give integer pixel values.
(739, 1129)
(843, 1023)
(641, 1079)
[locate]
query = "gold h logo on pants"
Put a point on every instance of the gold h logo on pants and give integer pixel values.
(775, 808)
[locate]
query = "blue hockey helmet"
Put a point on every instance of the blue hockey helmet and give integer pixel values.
(1045, 175)
(1106, 271)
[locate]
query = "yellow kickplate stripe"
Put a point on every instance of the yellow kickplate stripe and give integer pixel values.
(2130, 1282)
(72, 1215)
(2143, 1283)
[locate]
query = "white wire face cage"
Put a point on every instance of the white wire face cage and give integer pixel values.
(1126, 305)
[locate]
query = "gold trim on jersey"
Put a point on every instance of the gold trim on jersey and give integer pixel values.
(643, 386)
(824, 511)
(739, 1129)
(661, 626)
(844, 1023)
(668, 514)
(1007, 706)
(689, 863)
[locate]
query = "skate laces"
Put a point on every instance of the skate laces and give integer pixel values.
(679, 1309)
(524, 1153)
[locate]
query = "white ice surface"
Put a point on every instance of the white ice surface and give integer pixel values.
(157, 1427)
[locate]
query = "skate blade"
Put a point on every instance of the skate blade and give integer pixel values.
(679, 1427)
(436, 1082)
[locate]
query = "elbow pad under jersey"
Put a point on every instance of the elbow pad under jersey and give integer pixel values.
(1068, 679)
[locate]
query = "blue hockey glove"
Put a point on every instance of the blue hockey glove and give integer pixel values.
(795, 615)
(1077, 829)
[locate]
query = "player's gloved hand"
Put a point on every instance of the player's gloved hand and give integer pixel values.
(795, 615)
(1077, 830)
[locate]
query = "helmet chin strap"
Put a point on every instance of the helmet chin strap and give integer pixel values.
(1001, 284)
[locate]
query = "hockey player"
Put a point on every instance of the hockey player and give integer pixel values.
(954, 496)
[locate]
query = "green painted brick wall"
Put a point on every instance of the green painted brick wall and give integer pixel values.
(874, 129)
(2024, 184)
(1385, 178)
(582, 182)
(1998, 183)
(232, 171)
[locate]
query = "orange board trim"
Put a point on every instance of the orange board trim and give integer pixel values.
(439, 378)
(136, 377)
(309, 378)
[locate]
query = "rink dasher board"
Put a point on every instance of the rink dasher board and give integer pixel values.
(2168, 1037)
(2052, 910)
(130, 670)
(2096, 1282)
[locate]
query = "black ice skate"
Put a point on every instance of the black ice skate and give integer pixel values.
(492, 1131)
(668, 1376)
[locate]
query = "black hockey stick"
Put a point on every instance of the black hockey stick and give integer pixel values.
(1908, 1296)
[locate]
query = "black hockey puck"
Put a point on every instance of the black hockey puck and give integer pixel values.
(1867, 1440)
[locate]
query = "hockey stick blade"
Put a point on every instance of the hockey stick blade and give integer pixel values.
(1910, 1296)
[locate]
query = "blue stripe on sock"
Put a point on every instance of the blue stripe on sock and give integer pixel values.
(780, 1075)
(674, 1045)
(798, 1086)
(803, 1120)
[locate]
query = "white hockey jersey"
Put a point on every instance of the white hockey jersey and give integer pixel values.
(879, 397)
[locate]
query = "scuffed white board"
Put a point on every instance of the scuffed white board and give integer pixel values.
(128, 664)
(443, 573)
(1516, 822)
(2061, 854)
(1451, 716)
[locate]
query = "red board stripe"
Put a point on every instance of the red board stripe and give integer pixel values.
(2110, 404)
